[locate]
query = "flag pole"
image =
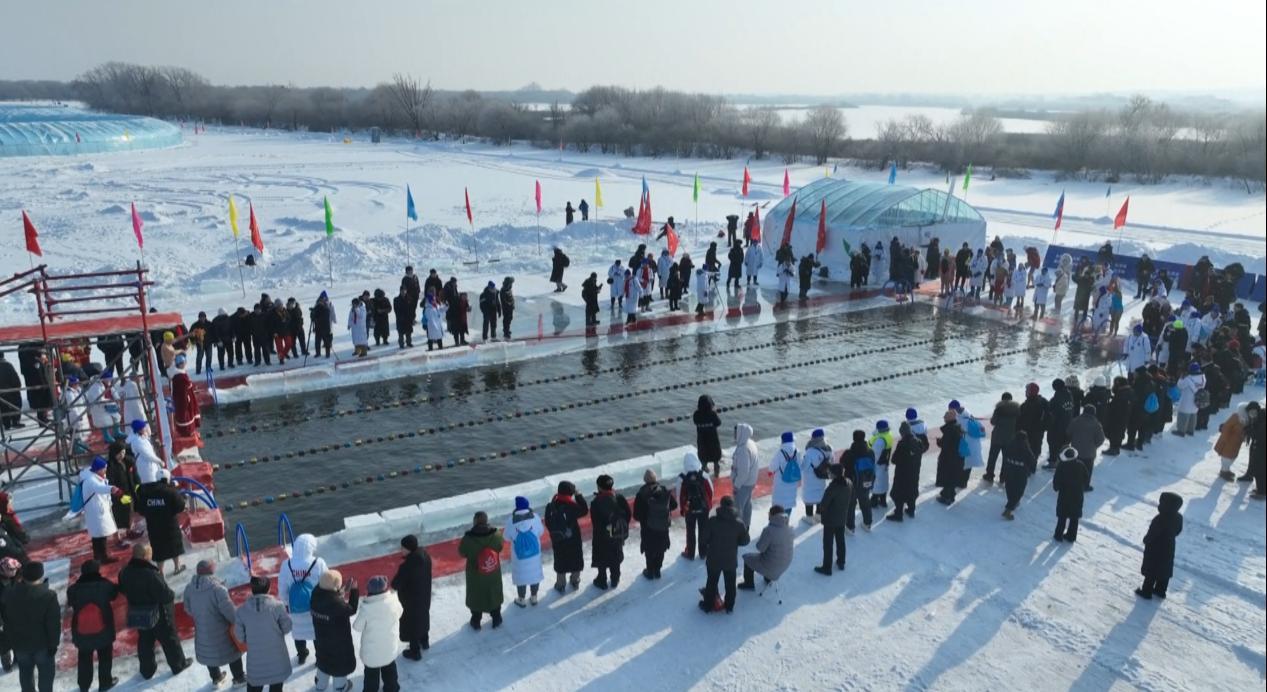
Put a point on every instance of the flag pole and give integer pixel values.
(329, 261)
(237, 249)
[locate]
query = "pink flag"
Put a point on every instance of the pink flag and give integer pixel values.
(787, 184)
(137, 225)
(470, 218)
(538, 197)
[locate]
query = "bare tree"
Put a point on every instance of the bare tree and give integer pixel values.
(1075, 136)
(824, 128)
(412, 98)
(759, 124)
(185, 87)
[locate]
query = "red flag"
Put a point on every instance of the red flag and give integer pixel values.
(787, 225)
(672, 239)
(642, 226)
(469, 217)
(32, 236)
(746, 179)
(1120, 220)
(756, 223)
(787, 184)
(256, 239)
(822, 229)
(538, 197)
(137, 225)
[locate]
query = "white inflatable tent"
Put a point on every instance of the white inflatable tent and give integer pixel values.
(859, 212)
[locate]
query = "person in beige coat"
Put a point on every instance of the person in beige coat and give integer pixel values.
(1232, 436)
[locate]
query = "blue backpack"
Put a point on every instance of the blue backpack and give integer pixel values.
(791, 472)
(974, 428)
(77, 500)
(1151, 404)
(299, 597)
(527, 545)
(864, 471)
(1174, 393)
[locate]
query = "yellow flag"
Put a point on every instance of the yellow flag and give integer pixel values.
(598, 194)
(233, 217)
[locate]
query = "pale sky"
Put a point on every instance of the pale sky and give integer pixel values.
(716, 46)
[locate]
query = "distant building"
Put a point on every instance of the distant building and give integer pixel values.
(58, 131)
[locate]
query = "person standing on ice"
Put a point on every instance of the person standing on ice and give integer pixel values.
(744, 468)
(632, 295)
(103, 411)
(490, 310)
(507, 296)
(76, 407)
(1020, 277)
(805, 270)
(814, 473)
(523, 532)
(1042, 285)
(685, 268)
(433, 316)
(707, 441)
(376, 620)
(409, 282)
(859, 467)
(559, 262)
(950, 460)
(91, 630)
(1138, 348)
(663, 265)
(653, 508)
(1159, 547)
(283, 337)
(732, 228)
(323, 321)
(881, 443)
(206, 601)
(973, 434)
(752, 261)
(332, 613)
(1086, 436)
(589, 294)
(1018, 460)
(609, 516)
(382, 307)
(359, 327)
(1060, 286)
(149, 467)
(481, 546)
(695, 499)
(1187, 409)
(906, 460)
(720, 539)
(1032, 418)
(296, 580)
(836, 505)
(673, 288)
(646, 275)
(433, 282)
(569, 214)
(412, 583)
(785, 468)
(562, 520)
(774, 551)
(703, 291)
(186, 413)
(1070, 483)
(784, 272)
(1003, 424)
(98, 517)
(261, 624)
(1059, 414)
(735, 268)
(978, 268)
(1232, 436)
(616, 283)
(406, 313)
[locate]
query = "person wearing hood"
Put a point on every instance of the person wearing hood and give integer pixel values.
(149, 467)
(837, 504)
(589, 295)
(1086, 436)
(1099, 396)
(323, 321)
(186, 412)
(673, 286)
(98, 517)
(950, 461)
(490, 310)
(206, 602)
(296, 580)
(631, 293)
(1232, 436)
(76, 408)
(377, 621)
(558, 262)
(744, 468)
(1119, 415)
(707, 440)
(523, 532)
(610, 517)
(1186, 411)
(1147, 405)
(775, 547)
(33, 627)
(616, 284)
(1176, 348)
(720, 539)
(381, 307)
(1070, 483)
(92, 624)
(1042, 285)
(973, 434)
(332, 609)
(1019, 462)
(907, 458)
(653, 508)
(481, 546)
(1159, 547)
(1059, 414)
(695, 498)
(358, 325)
(753, 259)
(1003, 424)
(814, 473)
(703, 291)
(406, 311)
(433, 319)
(562, 520)
(151, 602)
(858, 463)
(881, 443)
(785, 468)
(1138, 347)
(734, 269)
(662, 268)
(261, 625)
(412, 584)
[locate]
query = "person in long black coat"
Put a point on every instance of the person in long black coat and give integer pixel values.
(707, 442)
(558, 262)
(161, 504)
(93, 591)
(1033, 418)
(406, 311)
(608, 509)
(332, 627)
(720, 539)
(734, 270)
(949, 461)
(121, 473)
(10, 395)
(261, 336)
(805, 272)
(1139, 426)
(295, 323)
(1159, 547)
(1059, 413)
(1070, 484)
(222, 337)
(380, 317)
(243, 350)
(1019, 462)
(654, 523)
(412, 585)
(906, 459)
(1118, 415)
(562, 520)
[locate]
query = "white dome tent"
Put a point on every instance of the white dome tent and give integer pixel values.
(859, 212)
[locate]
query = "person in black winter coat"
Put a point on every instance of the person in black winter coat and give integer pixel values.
(949, 461)
(1139, 425)
(322, 315)
(558, 262)
(734, 270)
(908, 455)
(861, 482)
(653, 508)
(380, 309)
(1118, 415)
(33, 627)
(10, 395)
(1032, 418)
(121, 474)
(610, 516)
(412, 585)
(568, 214)
(1159, 547)
(222, 336)
(161, 503)
(720, 538)
(1059, 413)
(1098, 396)
(1004, 421)
(243, 350)
(562, 520)
(833, 510)
(295, 319)
(707, 442)
(1070, 483)
(406, 311)
(332, 613)
(141, 582)
(261, 335)
(490, 309)
(432, 283)
(805, 271)
(507, 297)
(589, 294)
(1018, 463)
(92, 623)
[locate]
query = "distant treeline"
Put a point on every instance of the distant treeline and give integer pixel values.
(1142, 140)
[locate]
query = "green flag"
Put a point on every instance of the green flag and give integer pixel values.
(695, 192)
(329, 218)
(848, 250)
(967, 176)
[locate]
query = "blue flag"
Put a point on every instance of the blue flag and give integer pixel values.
(835, 167)
(645, 189)
(1108, 191)
(893, 172)
(410, 210)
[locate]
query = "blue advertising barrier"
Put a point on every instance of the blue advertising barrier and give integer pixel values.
(1251, 286)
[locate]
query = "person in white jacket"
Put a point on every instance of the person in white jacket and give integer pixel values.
(358, 324)
(968, 423)
(378, 621)
(1139, 347)
(1042, 284)
(753, 258)
(743, 471)
(662, 268)
(149, 466)
(632, 293)
(977, 267)
(785, 273)
(433, 312)
(1103, 312)
(1186, 411)
(616, 284)
(102, 410)
(76, 408)
(787, 482)
(98, 519)
(1210, 324)
(127, 393)
(523, 533)
(815, 464)
(1060, 287)
(703, 292)
(1195, 328)
(302, 570)
(1020, 278)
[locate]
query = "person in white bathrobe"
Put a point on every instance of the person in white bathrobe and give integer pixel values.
(98, 519)
(302, 566)
(753, 258)
(787, 481)
(127, 393)
(633, 293)
(1138, 348)
(616, 284)
(703, 292)
(815, 463)
(785, 272)
(359, 326)
(433, 312)
(523, 533)
(1042, 284)
(149, 467)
